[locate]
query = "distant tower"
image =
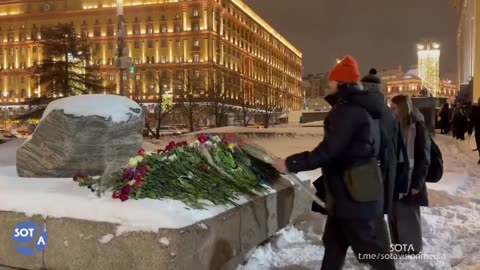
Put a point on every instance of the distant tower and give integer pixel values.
(429, 66)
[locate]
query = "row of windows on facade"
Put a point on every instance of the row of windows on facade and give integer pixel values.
(35, 34)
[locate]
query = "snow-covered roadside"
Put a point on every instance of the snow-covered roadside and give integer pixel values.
(450, 234)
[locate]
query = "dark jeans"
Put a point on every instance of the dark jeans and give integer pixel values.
(361, 235)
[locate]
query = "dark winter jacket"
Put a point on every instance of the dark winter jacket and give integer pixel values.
(352, 138)
(474, 120)
(422, 143)
(390, 150)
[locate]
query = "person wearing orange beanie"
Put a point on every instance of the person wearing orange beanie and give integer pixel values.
(351, 184)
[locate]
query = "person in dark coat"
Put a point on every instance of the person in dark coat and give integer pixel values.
(453, 112)
(474, 125)
(405, 221)
(392, 153)
(460, 123)
(445, 119)
(348, 156)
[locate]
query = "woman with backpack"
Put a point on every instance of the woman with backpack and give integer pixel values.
(405, 221)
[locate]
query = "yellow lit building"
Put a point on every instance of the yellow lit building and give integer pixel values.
(164, 36)
(396, 82)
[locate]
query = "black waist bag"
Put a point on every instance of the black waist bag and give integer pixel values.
(364, 182)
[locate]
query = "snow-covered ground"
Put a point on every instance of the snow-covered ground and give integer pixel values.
(451, 233)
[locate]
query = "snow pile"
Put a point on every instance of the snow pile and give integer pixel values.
(164, 241)
(117, 108)
(291, 247)
(106, 238)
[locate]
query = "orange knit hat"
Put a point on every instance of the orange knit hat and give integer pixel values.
(345, 71)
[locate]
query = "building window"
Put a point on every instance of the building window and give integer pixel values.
(195, 27)
(196, 57)
(178, 28)
(149, 28)
(110, 31)
(137, 44)
(138, 76)
(34, 49)
(150, 43)
(23, 50)
(163, 28)
(22, 36)
(111, 77)
(84, 33)
(136, 29)
(179, 75)
(110, 46)
(11, 51)
(10, 37)
(97, 31)
(177, 16)
(196, 43)
(195, 12)
(125, 76)
(162, 59)
(97, 47)
(196, 74)
(177, 43)
(164, 43)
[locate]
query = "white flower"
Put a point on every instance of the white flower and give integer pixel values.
(133, 162)
(208, 144)
(195, 144)
(131, 183)
(172, 158)
(190, 175)
(216, 138)
(149, 153)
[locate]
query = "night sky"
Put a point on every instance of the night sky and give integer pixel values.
(378, 33)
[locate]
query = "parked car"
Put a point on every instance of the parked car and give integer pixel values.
(168, 130)
(6, 135)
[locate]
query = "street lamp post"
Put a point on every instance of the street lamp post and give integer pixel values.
(5, 95)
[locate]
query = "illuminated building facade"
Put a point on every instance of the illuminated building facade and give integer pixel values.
(468, 40)
(396, 81)
(429, 67)
(168, 37)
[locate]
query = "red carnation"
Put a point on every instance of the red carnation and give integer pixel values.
(138, 181)
(141, 152)
(123, 197)
(79, 177)
(116, 195)
(202, 138)
(126, 190)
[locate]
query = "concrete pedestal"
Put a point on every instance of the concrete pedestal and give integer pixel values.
(212, 244)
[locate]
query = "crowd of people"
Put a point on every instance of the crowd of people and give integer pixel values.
(375, 160)
(461, 119)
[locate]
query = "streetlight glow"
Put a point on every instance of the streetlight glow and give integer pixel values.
(436, 45)
(5, 94)
(420, 46)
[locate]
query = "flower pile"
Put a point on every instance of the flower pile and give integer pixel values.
(209, 170)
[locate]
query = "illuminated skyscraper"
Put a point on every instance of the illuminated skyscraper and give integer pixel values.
(429, 67)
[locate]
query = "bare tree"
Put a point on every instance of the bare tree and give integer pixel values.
(191, 85)
(164, 106)
(270, 101)
(220, 88)
(247, 106)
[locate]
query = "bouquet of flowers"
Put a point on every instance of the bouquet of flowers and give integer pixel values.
(209, 170)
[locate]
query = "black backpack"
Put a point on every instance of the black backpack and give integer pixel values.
(435, 171)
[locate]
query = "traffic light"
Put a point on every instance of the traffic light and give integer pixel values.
(132, 68)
